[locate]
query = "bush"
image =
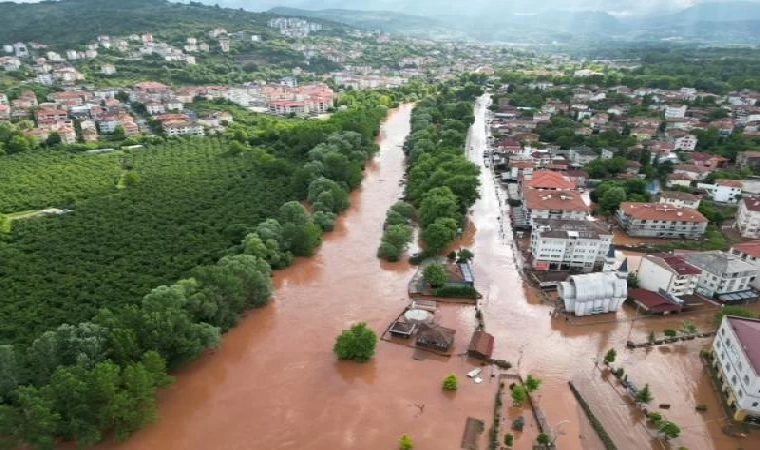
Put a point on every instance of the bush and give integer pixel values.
(610, 356)
(509, 439)
(669, 430)
(356, 344)
(388, 252)
(532, 383)
(405, 442)
(670, 333)
(519, 394)
(543, 439)
(456, 292)
(435, 275)
(655, 417)
(518, 424)
(450, 383)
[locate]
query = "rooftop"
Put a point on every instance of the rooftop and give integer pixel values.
(749, 248)
(751, 203)
(730, 183)
(564, 229)
(678, 195)
(545, 179)
(674, 263)
(718, 262)
(652, 301)
(554, 200)
(748, 334)
(662, 211)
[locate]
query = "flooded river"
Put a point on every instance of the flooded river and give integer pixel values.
(275, 383)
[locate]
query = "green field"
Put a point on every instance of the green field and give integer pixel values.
(191, 202)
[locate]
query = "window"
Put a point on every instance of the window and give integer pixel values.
(745, 379)
(755, 404)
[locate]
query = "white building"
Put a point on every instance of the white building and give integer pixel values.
(594, 293)
(680, 199)
(72, 55)
(108, 69)
(724, 276)
(748, 217)
(565, 244)
(184, 129)
(668, 274)
(723, 191)
(563, 205)
(661, 220)
(686, 143)
(736, 352)
(675, 112)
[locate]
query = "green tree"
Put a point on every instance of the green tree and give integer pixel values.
(405, 442)
(439, 235)
(543, 439)
(610, 356)
(388, 252)
(130, 178)
(532, 383)
(611, 199)
(10, 373)
(669, 430)
(450, 383)
(356, 344)
(293, 212)
(689, 327)
(34, 422)
(438, 203)
(465, 256)
(398, 235)
(644, 396)
(519, 394)
(435, 275)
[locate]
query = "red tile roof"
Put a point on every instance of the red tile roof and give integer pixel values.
(748, 334)
(652, 301)
(751, 248)
(544, 179)
(554, 200)
(662, 211)
(681, 266)
(678, 195)
(751, 203)
(730, 183)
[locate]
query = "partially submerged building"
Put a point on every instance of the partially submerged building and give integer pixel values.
(736, 351)
(595, 293)
(481, 345)
(435, 337)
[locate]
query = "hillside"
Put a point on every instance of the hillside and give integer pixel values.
(46, 22)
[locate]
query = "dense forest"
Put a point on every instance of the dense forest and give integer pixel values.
(94, 321)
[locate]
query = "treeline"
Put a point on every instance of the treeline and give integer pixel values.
(81, 382)
(442, 183)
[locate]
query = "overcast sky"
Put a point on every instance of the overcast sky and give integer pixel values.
(618, 7)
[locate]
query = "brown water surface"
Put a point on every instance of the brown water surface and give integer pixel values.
(275, 384)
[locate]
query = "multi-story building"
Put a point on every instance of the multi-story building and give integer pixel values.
(565, 244)
(668, 274)
(680, 199)
(686, 143)
(736, 356)
(183, 128)
(747, 251)
(675, 112)
(723, 191)
(661, 220)
(748, 217)
(724, 276)
(563, 205)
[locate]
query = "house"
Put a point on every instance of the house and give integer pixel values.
(5, 112)
(725, 276)
(747, 251)
(736, 357)
(678, 179)
(435, 337)
(521, 168)
(581, 156)
(686, 143)
(579, 177)
(748, 217)
(481, 345)
(633, 167)
(661, 220)
(183, 128)
(643, 133)
(680, 199)
(107, 69)
(594, 293)
(692, 171)
(565, 205)
(565, 244)
(668, 274)
(46, 114)
(748, 159)
(675, 112)
(723, 191)
(68, 135)
(708, 161)
(154, 108)
(654, 302)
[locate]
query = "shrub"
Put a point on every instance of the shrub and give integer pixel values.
(450, 383)
(543, 439)
(532, 383)
(519, 394)
(509, 439)
(670, 333)
(405, 442)
(435, 275)
(669, 430)
(518, 424)
(610, 356)
(655, 417)
(456, 292)
(388, 252)
(619, 372)
(356, 344)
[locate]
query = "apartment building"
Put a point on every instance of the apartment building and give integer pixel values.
(736, 352)
(668, 274)
(748, 217)
(661, 220)
(680, 199)
(725, 276)
(563, 205)
(565, 244)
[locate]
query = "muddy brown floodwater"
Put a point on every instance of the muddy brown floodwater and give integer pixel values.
(275, 384)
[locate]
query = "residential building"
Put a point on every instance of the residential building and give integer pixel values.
(680, 199)
(582, 156)
(107, 69)
(675, 112)
(564, 205)
(748, 217)
(694, 172)
(667, 274)
(724, 276)
(749, 159)
(736, 357)
(686, 143)
(46, 114)
(68, 135)
(183, 128)
(723, 191)
(594, 293)
(678, 179)
(708, 161)
(566, 244)
(547, 181)
(661, 220)
(747, 251)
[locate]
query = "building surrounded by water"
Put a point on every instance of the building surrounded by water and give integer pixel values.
(736, 357)
(595, 293)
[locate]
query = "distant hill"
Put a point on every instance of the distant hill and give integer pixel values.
(386, 21)
(71, 22)
(719, 12)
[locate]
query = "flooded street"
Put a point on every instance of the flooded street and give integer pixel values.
(275, 383)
